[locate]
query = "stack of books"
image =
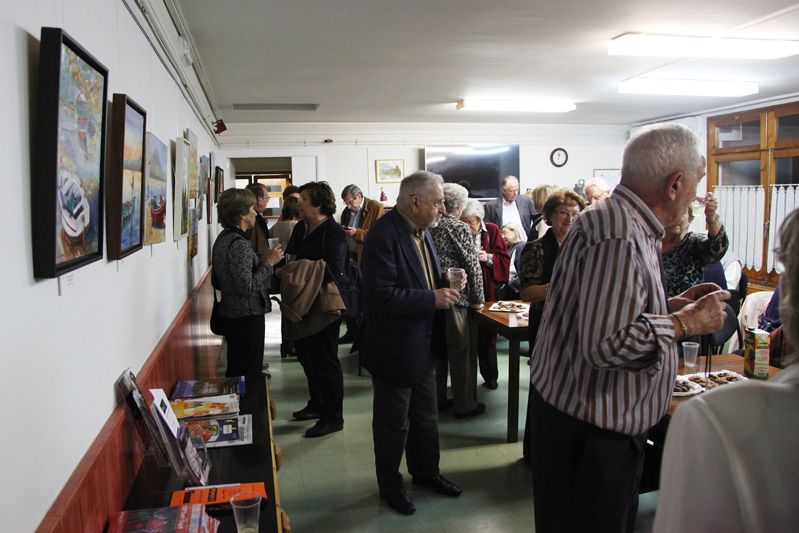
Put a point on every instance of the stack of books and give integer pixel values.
(190, 518)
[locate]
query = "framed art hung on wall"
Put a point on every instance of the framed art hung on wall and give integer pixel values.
(69, 158)
(194, 164)
(180, 190)
(219, 183)
(125, 189)
(389, 170)
(155, 204)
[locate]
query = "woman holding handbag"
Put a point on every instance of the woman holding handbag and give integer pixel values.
(240, 275)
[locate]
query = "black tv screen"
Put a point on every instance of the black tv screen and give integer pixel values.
(478, 167)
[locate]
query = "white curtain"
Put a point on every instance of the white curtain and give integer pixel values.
(784, 199)
(741, 209)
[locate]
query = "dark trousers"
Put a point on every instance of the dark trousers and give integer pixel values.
(318, 355)
(405, 419)
(584, 478)
(487, 354)
(245, 346)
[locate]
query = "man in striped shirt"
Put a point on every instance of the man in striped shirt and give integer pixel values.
(604, 362)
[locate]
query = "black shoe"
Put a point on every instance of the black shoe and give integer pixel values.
(398, 500)
(491, 384)
(347, 338)
(324, 427)
(439, 484)
(478, 410)
(445, 404)
(306, 413)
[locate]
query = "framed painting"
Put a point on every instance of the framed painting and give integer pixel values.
(219, 183)
(125, 189)
(208, 203)
(194, 167)
(389, 170)
(193, 232)
(155, 191)
(180, 190)
(69, 157)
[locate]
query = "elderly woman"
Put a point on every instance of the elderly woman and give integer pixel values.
(538, 257)
(686, 254)
(540, 195)
(730, 461)
(514, 238)
(241, 275)
(495, 263)
(456, 250)
(596, 190)
(319, 236)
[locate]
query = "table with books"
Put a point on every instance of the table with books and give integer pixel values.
(231, 463)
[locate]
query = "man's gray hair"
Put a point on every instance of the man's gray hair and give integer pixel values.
(506, 179)
(455, 197)
(657, 151)
(350, 191)
(474, 209)
(258, 189)
(418, 183)
(788, 253)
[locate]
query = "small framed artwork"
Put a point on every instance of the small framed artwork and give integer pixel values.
(69, 159)
(194, 164)
(180, 190)
(155, 208)
(193, 232)
(219, 183)
(389, 170)
(125, 191)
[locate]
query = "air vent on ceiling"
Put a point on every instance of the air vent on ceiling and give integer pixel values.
(275, 107)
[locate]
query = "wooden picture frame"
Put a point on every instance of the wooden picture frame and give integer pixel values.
(155, 185)
(125, 188)
(219, 183)
(69, 157)
(389, 170)
(180, 190)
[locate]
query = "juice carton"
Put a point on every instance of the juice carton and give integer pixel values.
(756, 353)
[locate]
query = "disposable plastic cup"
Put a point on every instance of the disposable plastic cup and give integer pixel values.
(690, 350)
(246, 511)
(455, 277)
(274, 242)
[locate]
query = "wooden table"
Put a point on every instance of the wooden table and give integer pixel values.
(732, 362)
(515, 330)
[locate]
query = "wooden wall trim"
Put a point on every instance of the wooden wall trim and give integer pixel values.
(100, 483)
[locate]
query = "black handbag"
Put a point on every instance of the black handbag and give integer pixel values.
(218, 322)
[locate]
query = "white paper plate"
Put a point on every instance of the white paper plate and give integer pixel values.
(695, 388)
(509, 307)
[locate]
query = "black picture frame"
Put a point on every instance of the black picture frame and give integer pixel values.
(125, 192)
(67, 183)
(219, 183)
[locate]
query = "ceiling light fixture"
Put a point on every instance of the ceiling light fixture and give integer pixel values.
(688, 87)
(644, 44)
(516, 106)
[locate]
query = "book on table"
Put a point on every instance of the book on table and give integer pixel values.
(217, 496)
(223, 431)
(190, 518)
(209, 406)
(196, 388)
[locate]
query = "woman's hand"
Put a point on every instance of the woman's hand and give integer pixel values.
(482, 256)
(274, 255)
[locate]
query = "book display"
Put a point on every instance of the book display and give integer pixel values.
(196, 388)
(183, 519)
(220, 432)
(146, 425)
(224, 405)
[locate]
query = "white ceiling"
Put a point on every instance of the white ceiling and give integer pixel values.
(411, 60)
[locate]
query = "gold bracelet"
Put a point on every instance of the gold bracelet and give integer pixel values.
(683, 327)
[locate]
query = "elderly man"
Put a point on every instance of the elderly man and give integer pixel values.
(357, 219)
(604, 362)
(403, 334)
(596, 190)
(259, 234)
(512, 207)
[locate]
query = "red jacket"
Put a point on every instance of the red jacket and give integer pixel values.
(500, 270)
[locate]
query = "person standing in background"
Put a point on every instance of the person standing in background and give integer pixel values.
(597, 189)
(511, 207)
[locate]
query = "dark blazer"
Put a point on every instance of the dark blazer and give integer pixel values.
(399, 334)
(372, 210)
(524, 204)
(328, 241)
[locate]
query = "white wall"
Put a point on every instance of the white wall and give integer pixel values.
(350, 158)
(60, 355)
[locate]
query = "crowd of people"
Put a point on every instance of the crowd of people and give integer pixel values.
(615, 280)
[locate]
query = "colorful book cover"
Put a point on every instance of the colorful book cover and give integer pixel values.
(218, 495)
(226, 405)
(196, 388)
(221, 432)
(183, 519)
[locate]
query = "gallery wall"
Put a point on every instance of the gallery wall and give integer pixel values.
(64, 343)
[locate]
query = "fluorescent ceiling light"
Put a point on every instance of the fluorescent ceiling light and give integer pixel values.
(643, 44)
(687, 87)
(517, 106)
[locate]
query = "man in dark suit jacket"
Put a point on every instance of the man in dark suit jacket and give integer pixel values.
(403, 301)
(511, 207)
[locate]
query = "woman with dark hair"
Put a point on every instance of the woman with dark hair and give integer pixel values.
(240, 275)
(319, 236)
(289, 216)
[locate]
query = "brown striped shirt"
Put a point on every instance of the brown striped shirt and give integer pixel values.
(605, 353)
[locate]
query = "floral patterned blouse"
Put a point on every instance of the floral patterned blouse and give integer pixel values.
(684, 265)
(453, 241)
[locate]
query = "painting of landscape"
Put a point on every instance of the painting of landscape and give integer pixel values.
(180, 190)
(132, 169)
(194, 168)
(155, 191)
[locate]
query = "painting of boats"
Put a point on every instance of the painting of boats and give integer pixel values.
(155, 191)
(69, 156)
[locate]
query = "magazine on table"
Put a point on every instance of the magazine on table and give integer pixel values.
(183, 519)
(209, 406)
(145, 423)
(197, 388)
(217, 496)
(222, 432)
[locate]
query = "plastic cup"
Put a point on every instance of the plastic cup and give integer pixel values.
(274, 242)
(247, 511)
(455, 277)
(690, 350)
(290, 257)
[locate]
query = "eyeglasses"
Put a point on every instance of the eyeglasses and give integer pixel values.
(438, 202)
(569, 214)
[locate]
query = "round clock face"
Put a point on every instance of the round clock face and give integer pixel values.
(559, 156)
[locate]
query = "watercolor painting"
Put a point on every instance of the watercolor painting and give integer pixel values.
(180, 190)
(155, 191)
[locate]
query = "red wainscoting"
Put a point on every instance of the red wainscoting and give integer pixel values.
(100, 483)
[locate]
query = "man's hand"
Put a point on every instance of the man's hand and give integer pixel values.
(697, 291)
(350, 231)
(706, 315)
(446, 298)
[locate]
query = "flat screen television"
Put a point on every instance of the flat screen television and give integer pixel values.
(478, 167)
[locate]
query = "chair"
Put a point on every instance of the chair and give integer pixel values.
(714, 273)
(713, 343)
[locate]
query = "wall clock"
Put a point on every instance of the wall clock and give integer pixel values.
(558, 157)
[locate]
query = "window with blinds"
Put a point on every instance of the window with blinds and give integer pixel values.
(753, 168)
